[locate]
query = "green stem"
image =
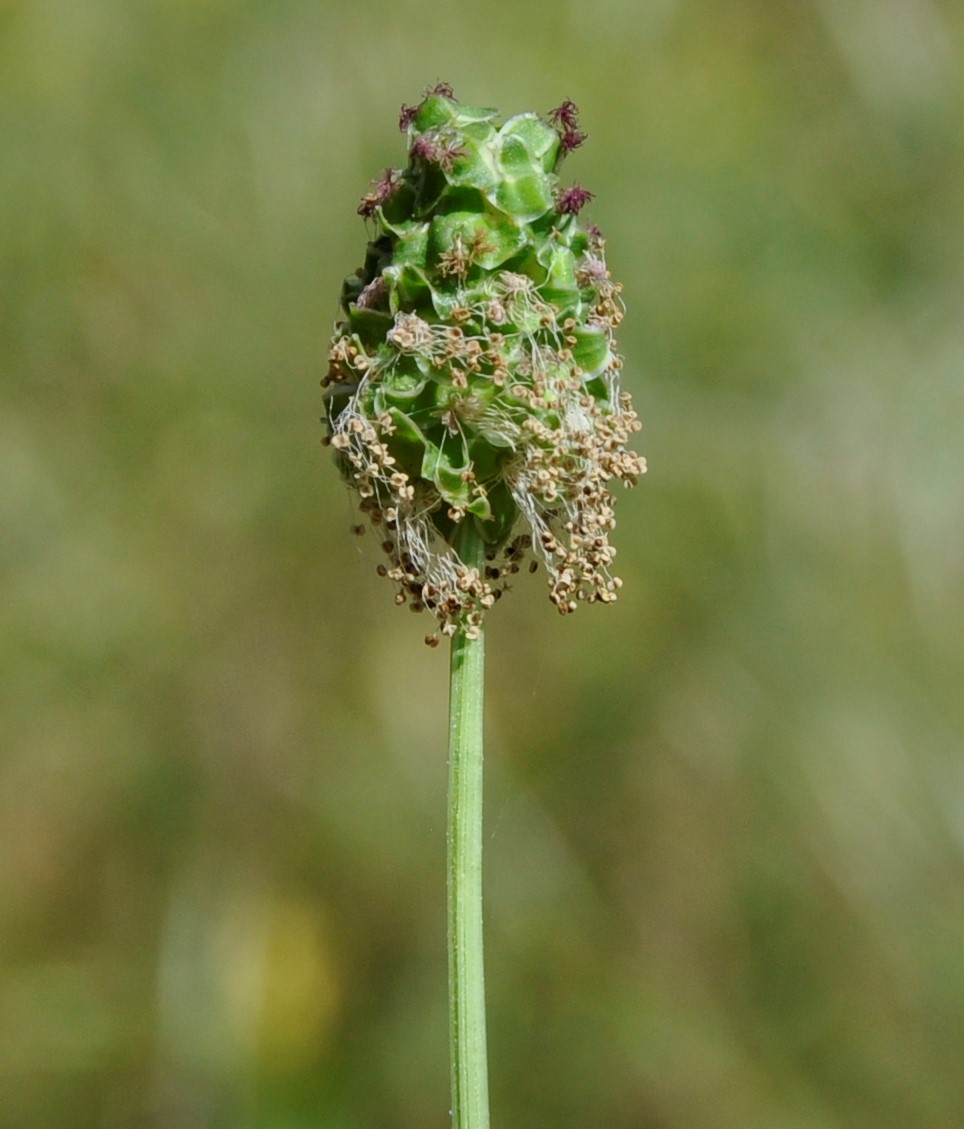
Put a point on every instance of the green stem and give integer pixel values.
(470, 1090)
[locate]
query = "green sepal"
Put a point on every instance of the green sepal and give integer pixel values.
(461, 198)
(432, 184)
(498, 528)
(434, 112)
(524, 191)
(412, 247)
(494, 238)
(467, 114)
(438, 468)
(475, 168)
(591, 351)
(478, 133)
(599, 391)
(560, 286)
(398, 207)
(408, 288)
(408, 382)
(541, 140)
(504, 239)
(369, 325)
(406, 443)
(401, 226)
(525, 199)
(486, 457)
(578, 241)
(447, 229)
(443, 303)
(515, 160)
(480, 507)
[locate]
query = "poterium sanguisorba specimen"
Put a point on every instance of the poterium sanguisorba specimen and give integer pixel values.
(473, 393)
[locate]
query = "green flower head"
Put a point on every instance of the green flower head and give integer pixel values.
(473, 392)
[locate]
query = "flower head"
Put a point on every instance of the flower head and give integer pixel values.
(474, 382)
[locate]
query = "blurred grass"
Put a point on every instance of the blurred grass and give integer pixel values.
(726, 835)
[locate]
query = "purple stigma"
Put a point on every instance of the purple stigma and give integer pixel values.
(406, 116)
(566, 115)
(571, 201)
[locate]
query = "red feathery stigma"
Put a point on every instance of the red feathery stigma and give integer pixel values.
(406, 116)
(571, 201)
(425, 147)
(430, 147)
(449, 151)
(379, 191)
(572, 139)
(566, 115)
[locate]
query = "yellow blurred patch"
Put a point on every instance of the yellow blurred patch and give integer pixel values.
(300, 989)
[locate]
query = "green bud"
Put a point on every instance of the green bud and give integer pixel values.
(473, 381)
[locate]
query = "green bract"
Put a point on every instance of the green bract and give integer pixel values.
(473, 384)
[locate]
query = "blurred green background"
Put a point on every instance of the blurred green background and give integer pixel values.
(725, 819)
